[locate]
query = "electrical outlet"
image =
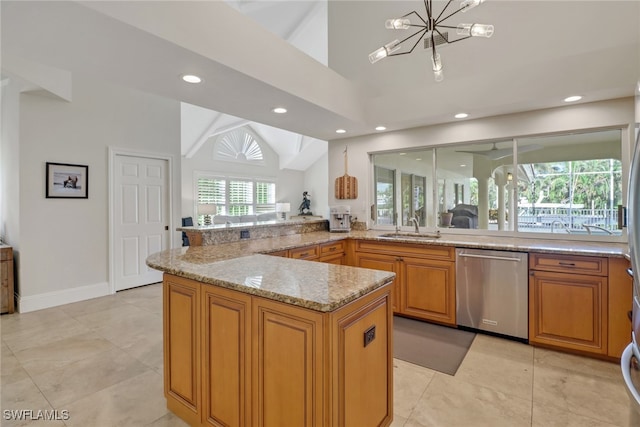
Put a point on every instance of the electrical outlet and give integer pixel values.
(244, 234)
(369, 335)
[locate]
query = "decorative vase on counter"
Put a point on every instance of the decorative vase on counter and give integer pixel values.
(445, 219)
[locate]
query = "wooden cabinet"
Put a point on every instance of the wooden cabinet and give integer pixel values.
(429, 289)
(332, 252)
(181, 339)
(425, 277)
(241, 360)
(287, 365)
(305, 252)
(283, 253)
(226, 357)
(377, 261)
(7, 299)
(620, 304)
(568, 302)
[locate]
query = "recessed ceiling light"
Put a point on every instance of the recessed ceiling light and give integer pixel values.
(341, 131)
(463, 166)
(418, 158)
(381, 128)
(402, 154)
(461, 116)
(191, 78)
(573, 98)
(279, 110)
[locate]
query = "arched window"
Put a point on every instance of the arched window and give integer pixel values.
(238, 146)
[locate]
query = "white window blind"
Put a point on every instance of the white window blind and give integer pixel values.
(237, 196)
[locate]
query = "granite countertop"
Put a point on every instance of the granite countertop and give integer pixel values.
(573, 247)
(314, 285)
(241, 265)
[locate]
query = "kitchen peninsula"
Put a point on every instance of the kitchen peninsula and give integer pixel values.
(271, 341)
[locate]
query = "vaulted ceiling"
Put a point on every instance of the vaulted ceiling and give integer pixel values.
(249, 54)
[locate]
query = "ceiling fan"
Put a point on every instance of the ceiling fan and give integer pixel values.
(496, 153)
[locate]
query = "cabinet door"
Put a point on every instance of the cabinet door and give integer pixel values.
(620, 303)
(226, 357)
(363, 353)
(429, 290)
(384, 263)
(181, 335)
(287, 365)
(568, 310)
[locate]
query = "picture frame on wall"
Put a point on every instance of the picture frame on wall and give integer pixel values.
(67, 181)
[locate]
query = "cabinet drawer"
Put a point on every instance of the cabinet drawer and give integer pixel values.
(306, 252)
(283, 253)
(332, 248)
(569, 264)
(415, 250)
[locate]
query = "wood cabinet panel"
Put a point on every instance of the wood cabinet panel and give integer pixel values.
(429, 291)
(7, 298)
(337, 259)
(358, 359)
(226, 357)
(415, 250)
(287, 365)
(424, 287)
(305, 252)
(383, 262)
(568, 264)
(332, 248)
(332, 252)
(620, 303)
(181, 322)
(283, 253)
(568, 310)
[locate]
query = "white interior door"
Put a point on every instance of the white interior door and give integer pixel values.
(141, 218)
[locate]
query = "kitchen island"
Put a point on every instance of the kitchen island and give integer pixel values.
(271, 341)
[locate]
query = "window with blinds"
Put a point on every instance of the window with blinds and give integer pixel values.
(237, 196)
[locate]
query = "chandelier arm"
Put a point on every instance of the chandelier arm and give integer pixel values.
(414, 45)
(443, 10)
(413, 12)
(457, 40)
(448, 16)
(423, 30)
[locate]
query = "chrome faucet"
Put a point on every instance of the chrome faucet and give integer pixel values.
(415, 222)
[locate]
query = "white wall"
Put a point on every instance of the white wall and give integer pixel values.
(617, 112)
(289, 183)
(315, 178)
(64, 243)
(9, 161)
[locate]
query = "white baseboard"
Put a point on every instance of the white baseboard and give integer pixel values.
(65, 296)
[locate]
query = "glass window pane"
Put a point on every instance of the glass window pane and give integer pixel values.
(413, 199)
(385, 195)
(414, 171)
(472, 185)
(570, 184)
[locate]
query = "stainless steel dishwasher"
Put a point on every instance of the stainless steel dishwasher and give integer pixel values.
(492, 291)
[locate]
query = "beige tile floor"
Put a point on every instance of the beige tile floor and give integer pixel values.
(101, 360)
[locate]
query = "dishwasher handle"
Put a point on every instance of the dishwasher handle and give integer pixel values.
(499, 258)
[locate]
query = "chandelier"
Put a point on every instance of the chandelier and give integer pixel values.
(434, 31)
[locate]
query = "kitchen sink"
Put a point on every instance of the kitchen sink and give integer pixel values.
(411, 236)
